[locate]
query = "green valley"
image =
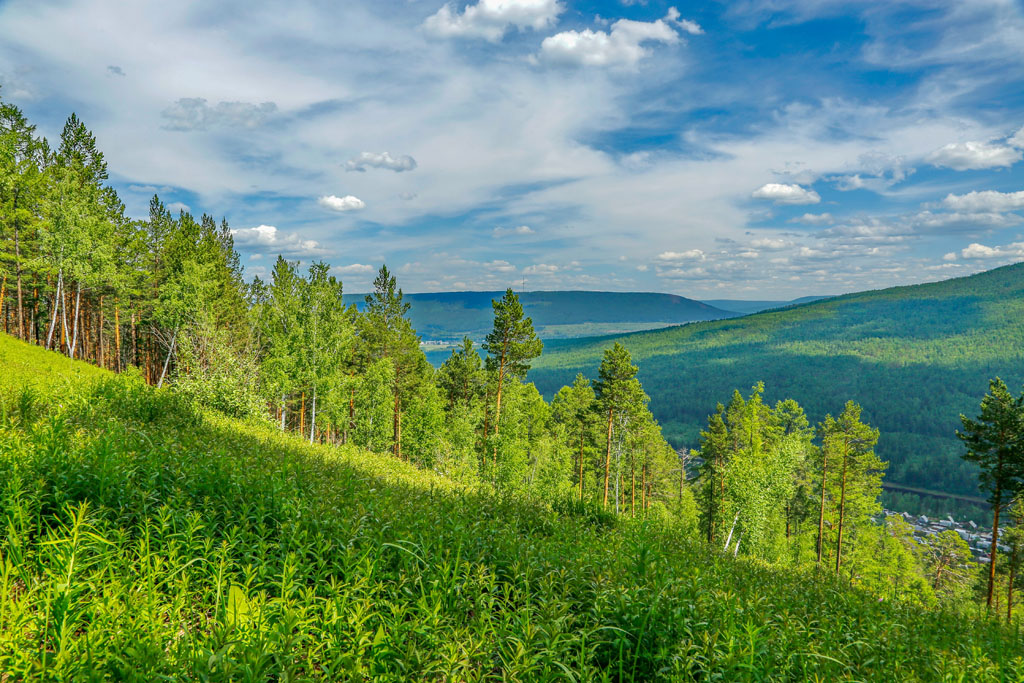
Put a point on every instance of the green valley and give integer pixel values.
(914, 357)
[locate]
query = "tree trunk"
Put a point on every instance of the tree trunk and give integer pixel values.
(100, 352)
(135, 341)
(74, 333)
(302, 414)
(998, 498)
(632, 490)
(1009, 585)
(643, 486)
(821, 510)
(842, 511)
(312, 417)
(22, 333)
(117, 337)
(284, 409)
(728, 538)
(3, 291)
(167, 361)
(395, 429)
(582, 433)
(56, 307)
(608, 456)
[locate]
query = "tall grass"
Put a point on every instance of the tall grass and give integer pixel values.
(142, 541)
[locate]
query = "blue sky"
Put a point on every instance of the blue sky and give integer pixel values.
(751, 149)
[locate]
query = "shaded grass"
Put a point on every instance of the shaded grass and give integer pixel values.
(144, 541)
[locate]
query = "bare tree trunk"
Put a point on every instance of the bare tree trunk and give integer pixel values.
(582, 433)
(728, 538)
(995, 541)
(56, 307)
(101, 354)
(74, 333)
(842, 512)
(632, 489)
(312, 417)
(117, 336)
(22, 333)
(821, 510)
(302, 414)
(167, 360)
(608, 456)
(284, 406)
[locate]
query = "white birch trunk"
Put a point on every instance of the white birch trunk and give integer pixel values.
(731, 529)
(312, 419)
(56, 308)
(167, 361)
(74, 328)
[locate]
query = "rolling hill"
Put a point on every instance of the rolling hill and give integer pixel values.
(745, 307)
(147, 540)
(915, 357)
(448, 316)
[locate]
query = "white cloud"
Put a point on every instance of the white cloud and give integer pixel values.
(490, 19)
(193, 113)
(985, 200)
(688, 255)
(980, 251)
(384, 160)
(964, 156)
(354, 269)
(786, 194)
(269, 238)
(500, 266)
(346, 203)
(519, 230)
(1017, 139)
(622, 46)
(176, 207)
(540, 269)
(958, 222)
(813, 219)
(772, 243)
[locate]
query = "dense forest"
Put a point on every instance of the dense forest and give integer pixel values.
(162, 302)
(914, 357)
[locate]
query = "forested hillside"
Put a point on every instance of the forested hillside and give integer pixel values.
(449, 316)
(914, 357)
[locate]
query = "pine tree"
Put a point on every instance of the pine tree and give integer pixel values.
(618, 391)
(849, 443)
(511, 345)
(995, 441)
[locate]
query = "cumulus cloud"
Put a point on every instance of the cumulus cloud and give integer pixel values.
(1017, 139)
(541, 269)
(491, 19)
(519, 230)
(193, 113)
(354, 269)
(782, 193)
(962, 222)
(178, 207)
(383, 160)
(622, 46)
(269, 238)
(813, 219)
(771, 243)
(500, 266)
(964, 156)
(688, 255)
(986, 200)
(346, 203)
(980, 251)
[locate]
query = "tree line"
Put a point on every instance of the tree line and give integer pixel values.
(165, 297)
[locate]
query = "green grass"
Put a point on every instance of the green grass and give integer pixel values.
(143, 541)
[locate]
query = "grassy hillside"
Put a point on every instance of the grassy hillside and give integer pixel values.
(448, 316)
(144, 541)
(915, 357)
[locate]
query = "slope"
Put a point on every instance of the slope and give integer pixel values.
(448, 316)
(144, 540)
(915, 357)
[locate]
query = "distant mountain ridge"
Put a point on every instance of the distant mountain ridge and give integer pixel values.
(448, 316)
(744, 307)
(915, 357)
